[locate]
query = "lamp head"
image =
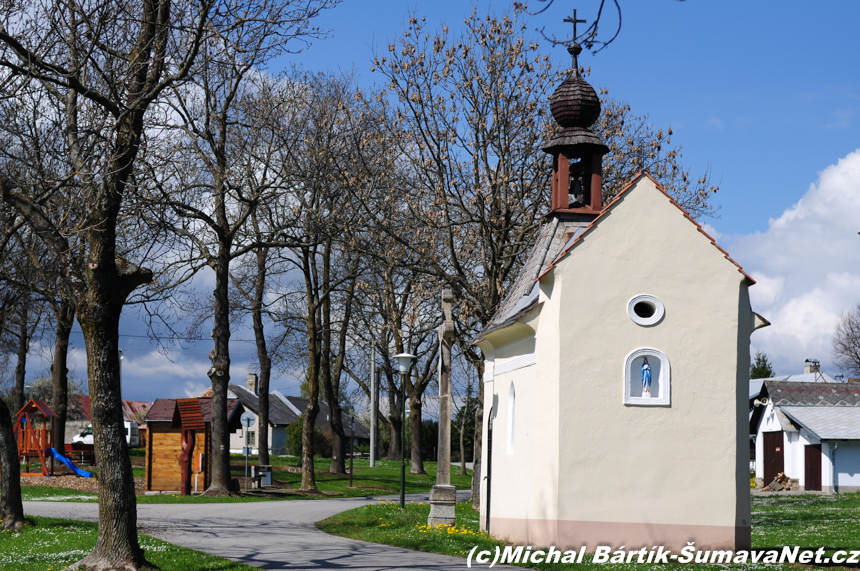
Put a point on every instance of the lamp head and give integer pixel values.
(404, 361)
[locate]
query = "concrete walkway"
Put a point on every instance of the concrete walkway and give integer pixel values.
(269, 535)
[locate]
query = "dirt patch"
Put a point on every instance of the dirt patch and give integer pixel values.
(73, 482)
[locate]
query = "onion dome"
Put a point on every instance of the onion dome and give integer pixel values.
(575, 107)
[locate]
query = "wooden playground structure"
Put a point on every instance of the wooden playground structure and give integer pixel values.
(34, 433)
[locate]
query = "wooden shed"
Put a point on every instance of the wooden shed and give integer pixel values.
(166, 422)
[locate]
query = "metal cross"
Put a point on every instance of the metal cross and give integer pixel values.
(574, 21)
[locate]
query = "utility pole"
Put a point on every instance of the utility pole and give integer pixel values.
(374, 405)
(443, 497)
(351, 446)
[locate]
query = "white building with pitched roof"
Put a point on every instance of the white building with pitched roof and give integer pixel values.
(616, 383)
(810, 431)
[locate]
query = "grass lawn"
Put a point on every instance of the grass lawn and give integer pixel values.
(808, 521)
(55, 543)
(383, 479)
(48, 494)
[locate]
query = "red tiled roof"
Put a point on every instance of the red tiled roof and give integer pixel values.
(132, 410)
(162, 410)
(618, 196)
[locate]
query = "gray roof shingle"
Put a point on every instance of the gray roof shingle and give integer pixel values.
(279, 413)
(522, 295)
(827, 422)
(786, 393)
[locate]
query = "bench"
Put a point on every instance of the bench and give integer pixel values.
(80, 453)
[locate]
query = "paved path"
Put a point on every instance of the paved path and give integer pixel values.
(270, 535)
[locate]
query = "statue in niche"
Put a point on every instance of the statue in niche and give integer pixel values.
(646, 379)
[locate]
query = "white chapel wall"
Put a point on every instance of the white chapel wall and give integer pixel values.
(655, 460)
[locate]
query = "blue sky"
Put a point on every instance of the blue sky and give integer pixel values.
(764, 94)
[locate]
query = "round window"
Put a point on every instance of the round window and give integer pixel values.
(645, 309)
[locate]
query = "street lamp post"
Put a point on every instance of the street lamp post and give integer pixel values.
(404, 362)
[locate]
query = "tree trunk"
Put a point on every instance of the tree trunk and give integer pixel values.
(60, 371)
(11, 508)
(21, 365)
(219, 375)
(117, 546)
(262, 356)
(462, 471)
(338, 463)
(309, 418)
(395, 426)
(477, 442)
(415, 425)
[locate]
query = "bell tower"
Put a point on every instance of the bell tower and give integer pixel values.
(577, 153)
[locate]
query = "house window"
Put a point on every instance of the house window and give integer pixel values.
(252, 435)
(645, 309)
(647, 378)
(512, 397)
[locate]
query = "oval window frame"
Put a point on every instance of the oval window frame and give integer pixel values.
(655, 318)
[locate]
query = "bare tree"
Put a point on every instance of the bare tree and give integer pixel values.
(99, 67)
(846, 342)
(223, 179)
(11, 506)
(328, 148)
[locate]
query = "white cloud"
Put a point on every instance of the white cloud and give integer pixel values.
(807, 268)
(712, 232)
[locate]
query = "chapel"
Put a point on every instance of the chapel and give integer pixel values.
(616, 377)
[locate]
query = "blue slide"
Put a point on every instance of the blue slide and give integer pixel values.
(70, 464)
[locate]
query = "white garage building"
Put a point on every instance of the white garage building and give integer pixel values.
(810, 431)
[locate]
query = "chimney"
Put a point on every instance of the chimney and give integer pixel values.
(812, 366)
(251, 382)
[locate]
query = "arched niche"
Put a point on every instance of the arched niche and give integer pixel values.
(661, 378)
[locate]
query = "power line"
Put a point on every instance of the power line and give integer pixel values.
(156, 338)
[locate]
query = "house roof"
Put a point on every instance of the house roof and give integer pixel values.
(805, 378)
(756, 385)
(323, 417)
(786, 393)
(132, 410)
(162, 410)
(827, 422)
(617, 198)
(279, 412)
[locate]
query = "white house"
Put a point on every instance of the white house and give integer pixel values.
(576, 450)
(281, 414)
(811, 432)
(283, 411)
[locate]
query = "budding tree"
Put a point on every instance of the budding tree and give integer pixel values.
(846, 342)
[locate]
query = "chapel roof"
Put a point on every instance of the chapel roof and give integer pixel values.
(557, 238)
(617, 198)
(522, 296)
